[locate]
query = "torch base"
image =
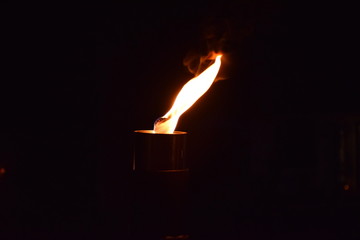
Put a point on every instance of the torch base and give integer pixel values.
(161, 190)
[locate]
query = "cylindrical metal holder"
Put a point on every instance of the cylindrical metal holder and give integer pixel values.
(161, 188)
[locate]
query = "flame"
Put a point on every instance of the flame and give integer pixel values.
(187, 96)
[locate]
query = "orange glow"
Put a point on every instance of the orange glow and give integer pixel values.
(187, 96)
(346, 187)
(2, 171)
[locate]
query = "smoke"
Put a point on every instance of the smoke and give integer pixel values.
(213, 40)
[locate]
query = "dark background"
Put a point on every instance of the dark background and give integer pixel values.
(272, 147)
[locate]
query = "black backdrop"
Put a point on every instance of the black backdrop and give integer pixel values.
(270, 147)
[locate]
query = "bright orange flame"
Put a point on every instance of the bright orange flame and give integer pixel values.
(187, 96)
